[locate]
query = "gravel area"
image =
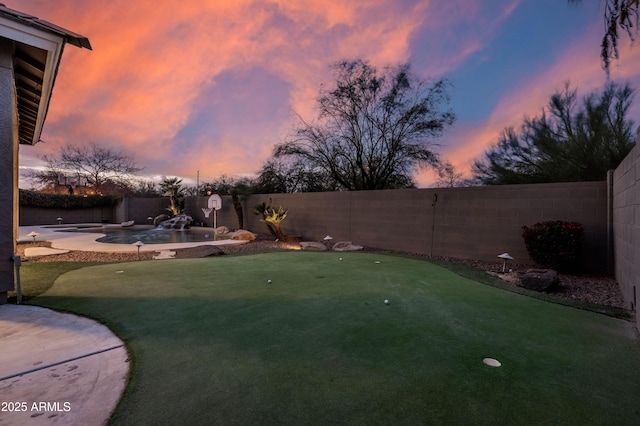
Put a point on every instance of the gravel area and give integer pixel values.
(602, 290)
(591, 288)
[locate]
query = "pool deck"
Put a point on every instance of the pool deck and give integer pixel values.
(86, 241)
(58, 368)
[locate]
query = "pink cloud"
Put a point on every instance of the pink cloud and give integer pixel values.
(139, 87)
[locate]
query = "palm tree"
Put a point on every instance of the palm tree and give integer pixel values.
(172, 188)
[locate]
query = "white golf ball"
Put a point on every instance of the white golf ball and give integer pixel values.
(340, 259)
(268, 281)
(386, 302)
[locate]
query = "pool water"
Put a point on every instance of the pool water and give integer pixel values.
(156, 236)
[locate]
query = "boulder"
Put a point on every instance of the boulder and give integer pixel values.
(346, 246)
(220, 230)
(538, 279)
(312, 246)
(242, 234)
(200, 251)
(160, 218)
(181, 221)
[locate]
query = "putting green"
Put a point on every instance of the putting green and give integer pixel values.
(213, 342)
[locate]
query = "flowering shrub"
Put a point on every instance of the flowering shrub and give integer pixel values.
(554, 244)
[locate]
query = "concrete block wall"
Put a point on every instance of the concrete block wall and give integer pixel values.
(39, 216)
(472, 223)
(224, 217)
(140, 209)
(626, 226)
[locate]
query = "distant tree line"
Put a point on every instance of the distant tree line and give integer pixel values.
(374, 129)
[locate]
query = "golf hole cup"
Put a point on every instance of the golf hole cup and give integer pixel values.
(491, 362)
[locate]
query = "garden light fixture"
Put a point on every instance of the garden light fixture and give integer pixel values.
(33, 234)
(505, 257)
(327, 240)
(138, 244)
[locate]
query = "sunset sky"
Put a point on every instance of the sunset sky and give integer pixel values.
(212, 85)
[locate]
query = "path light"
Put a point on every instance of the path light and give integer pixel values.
(59, 221)
(150, 220)
(138, 244)
(505, 257)
(327, 240)
(33, 234)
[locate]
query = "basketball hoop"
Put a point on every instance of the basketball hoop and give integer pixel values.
(214, 202)
(207, 211)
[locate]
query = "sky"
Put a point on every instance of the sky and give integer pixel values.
(204, 88)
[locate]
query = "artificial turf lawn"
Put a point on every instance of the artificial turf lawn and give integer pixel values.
(213, 343)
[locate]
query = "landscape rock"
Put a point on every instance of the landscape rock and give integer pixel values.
(160, 218)
(181, 221)
(242, 234)
(346, 246)
(538, 279)
(313, 246)
(199, 251)
(220, 230)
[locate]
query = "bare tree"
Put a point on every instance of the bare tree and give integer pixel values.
(448, 177)
(281, 176)
(373, 130)
(102, 167)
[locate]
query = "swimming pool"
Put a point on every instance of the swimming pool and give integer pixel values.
(155, 235)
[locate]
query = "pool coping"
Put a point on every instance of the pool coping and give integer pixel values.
(78, 241)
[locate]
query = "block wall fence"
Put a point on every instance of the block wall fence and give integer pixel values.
(472, 223)
(38, 216)
(626, 226)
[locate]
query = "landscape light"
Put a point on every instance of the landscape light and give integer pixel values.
(59, 220)
(327, 240)
(505, 257)
(138, 244)
(33, 234)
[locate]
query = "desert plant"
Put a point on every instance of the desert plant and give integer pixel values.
(272, 217)
(554, 244)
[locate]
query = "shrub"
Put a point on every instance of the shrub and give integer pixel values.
(60, 201)
(272, 217)
(554, 244)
